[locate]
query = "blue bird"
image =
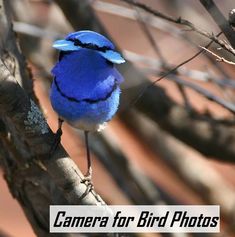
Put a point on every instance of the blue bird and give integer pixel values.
(86, 87)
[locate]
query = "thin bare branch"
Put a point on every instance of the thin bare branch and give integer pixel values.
(173, 70)
(218, 58)
(128, 13)
(182, 22)
(153, 66)
(184, 95)
(149, 36)
(220, 20)
(227, 105)
(170, 29)
(158, 52)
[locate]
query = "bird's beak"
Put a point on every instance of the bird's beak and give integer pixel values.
(112, 56)
(65, 45)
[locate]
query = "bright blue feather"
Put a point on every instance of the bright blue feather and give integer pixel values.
(112, 56)
(87, 75)
(65, 45)
(85, 91)
(96, 113)
(90, 37)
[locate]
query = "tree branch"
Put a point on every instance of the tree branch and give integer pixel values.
(218, 58)
(220, 20)
(179, 156)
(34, 178)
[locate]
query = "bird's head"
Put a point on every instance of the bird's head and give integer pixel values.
(89, 40)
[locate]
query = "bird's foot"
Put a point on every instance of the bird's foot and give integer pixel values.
(88, 176)
(56, 142)
(87, 181)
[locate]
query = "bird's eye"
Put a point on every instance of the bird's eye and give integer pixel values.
(109, 63)
(62, 54)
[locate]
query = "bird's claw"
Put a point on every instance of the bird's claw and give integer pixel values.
(88, 177)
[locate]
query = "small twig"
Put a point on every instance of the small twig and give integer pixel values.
(149, 36)
(158, 52)
(184, 95)
(180, 82)
(227, 105)
(153, 66)
(218, 58)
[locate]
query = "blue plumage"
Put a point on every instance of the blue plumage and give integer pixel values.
(85, 90)
(91, 37)
(91, 40)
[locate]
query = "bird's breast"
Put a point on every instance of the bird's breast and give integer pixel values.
(85, 115)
